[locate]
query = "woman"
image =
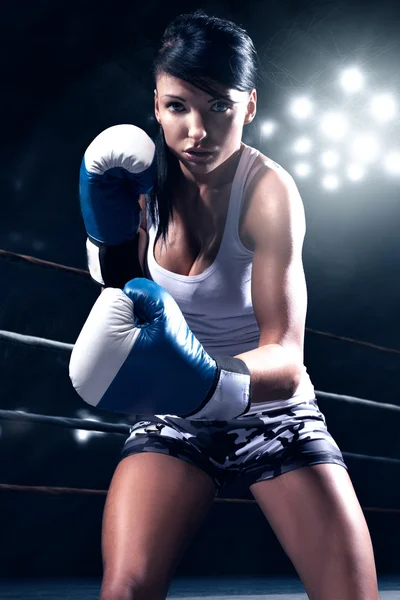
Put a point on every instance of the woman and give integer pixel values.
(224, 234)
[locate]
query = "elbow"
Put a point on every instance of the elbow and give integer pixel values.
(291, 382)
(295, 379)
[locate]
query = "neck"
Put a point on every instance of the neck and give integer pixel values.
(195, 184)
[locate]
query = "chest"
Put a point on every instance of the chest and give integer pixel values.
(196, 232)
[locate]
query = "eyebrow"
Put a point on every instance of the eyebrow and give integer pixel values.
(212, 99)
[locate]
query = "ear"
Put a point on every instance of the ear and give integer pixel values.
(156, 106)
(251, 109)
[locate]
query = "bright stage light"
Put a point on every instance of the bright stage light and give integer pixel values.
(81, 435)
(302, 169)
(302, 145)
(364, 148)
(352, 80)
(355, 172)
(301, 108)
(330, 159)
(330, 182)
(392, 163)
(268, 128)
(334, 125)
(383, 107)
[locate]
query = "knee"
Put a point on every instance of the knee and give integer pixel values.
(129, 590)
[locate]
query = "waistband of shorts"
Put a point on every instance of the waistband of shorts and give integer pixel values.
(276, 404)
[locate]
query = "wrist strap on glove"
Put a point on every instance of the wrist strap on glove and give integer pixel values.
(230, 395)
(113, 266)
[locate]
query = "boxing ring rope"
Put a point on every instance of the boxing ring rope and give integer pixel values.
(13, 256)
(123, 428)
(67, 422)
(30, 340)
(82, 491)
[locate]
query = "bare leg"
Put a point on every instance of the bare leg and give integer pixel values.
(318, 520)
(154, 506)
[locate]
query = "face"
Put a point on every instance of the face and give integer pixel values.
(191, 118)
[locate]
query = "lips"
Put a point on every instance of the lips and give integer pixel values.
(195, 156)
(198, 151)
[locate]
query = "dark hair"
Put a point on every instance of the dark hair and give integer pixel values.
(201, 50)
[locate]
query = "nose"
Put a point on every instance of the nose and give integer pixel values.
(196, 129)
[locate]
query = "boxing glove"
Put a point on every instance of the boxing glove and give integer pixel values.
(136, 354)
(116, 168)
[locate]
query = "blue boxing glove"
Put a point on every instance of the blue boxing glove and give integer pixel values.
(117, 167)
(137, 355)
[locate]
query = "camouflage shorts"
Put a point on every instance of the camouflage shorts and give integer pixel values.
(253, 447)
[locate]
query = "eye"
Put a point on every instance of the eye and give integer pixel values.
(171, 104)
(227, 106)
(178, 107)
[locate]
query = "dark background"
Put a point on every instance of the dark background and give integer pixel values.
(71, 69)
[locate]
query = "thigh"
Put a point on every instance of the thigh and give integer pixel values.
(154, 506)
(317, 518)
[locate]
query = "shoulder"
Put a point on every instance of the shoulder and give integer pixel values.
(272, 203)
(269, 175)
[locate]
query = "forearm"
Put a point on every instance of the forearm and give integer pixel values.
(275, 372)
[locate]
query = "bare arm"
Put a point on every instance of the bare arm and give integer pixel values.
(275, 222)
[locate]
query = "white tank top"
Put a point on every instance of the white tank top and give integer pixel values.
(217, 303)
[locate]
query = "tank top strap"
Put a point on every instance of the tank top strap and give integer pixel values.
(243, 176)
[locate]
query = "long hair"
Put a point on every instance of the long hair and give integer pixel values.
(201, 50)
